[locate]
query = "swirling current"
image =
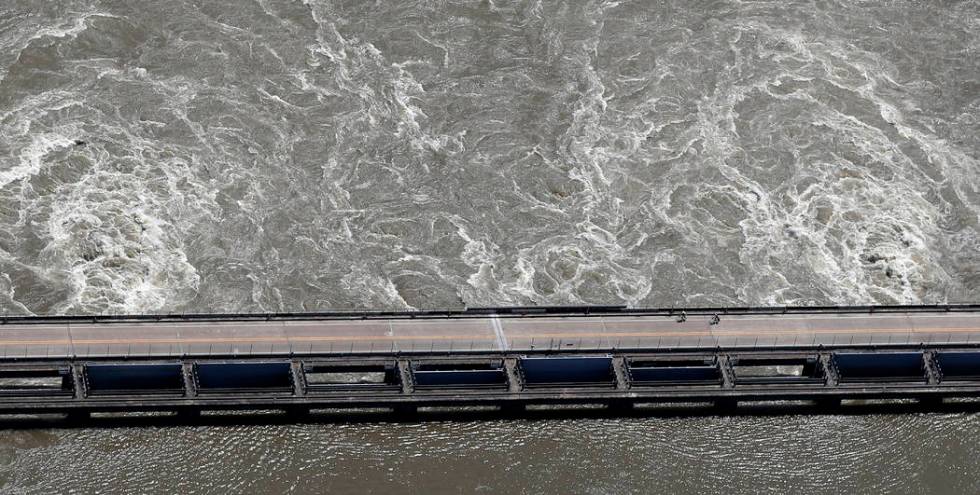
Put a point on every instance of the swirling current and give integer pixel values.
(304, 155)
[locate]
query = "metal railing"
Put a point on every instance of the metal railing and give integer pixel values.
(521, 311)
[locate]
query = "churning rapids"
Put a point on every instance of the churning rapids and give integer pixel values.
(288, 155)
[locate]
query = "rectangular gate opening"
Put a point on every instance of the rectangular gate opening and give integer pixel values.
(163, 378)
(243, 377)
(593, 371)
(325, 377)
(460, 374)
(958, 366)
(661, 372)
(879, 366)
(36, 381)
(777, 370)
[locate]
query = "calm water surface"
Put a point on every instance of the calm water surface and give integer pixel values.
(788, 454)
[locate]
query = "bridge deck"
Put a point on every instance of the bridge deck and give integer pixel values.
(477, 333)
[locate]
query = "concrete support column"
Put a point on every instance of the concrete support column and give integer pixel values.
(407, 379)
(622, 374)
(829, 371)
(78, 381)
(933, 375)
(299, 378)
(514, 382)
(190, 385)
(727, 373)
(514, 385)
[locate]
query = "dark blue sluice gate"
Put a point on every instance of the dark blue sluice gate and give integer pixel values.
(596, 370)
(953, 365)
(460, 377)
(672, 375)
(244, 375)
(143, 377)
(877, 366)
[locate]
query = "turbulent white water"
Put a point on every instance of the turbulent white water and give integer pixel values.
(281, 155)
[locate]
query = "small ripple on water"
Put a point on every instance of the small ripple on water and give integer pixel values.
(916, 452)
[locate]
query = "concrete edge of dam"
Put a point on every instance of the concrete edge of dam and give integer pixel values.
(561, 359)
(500, 311)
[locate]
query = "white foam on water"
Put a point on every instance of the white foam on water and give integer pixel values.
(587, 262)
(864, 239)
(9, 305)
(861, 235)
(475, 253)
(69, 29)
(115, 250)
(385, 89)
(375, 290)
(112, 228)
(61, 29)
(31, 158)
(26, 147)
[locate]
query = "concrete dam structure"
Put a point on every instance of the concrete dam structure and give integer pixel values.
(496, 358)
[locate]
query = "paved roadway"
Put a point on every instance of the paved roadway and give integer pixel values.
(149, 338)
